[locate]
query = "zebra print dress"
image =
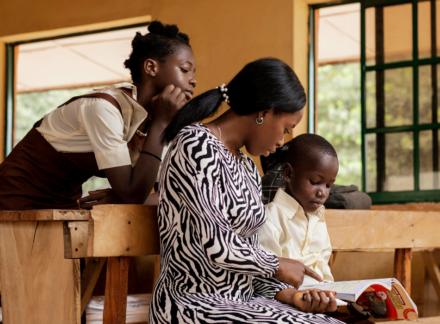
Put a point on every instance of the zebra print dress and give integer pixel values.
(209, 214)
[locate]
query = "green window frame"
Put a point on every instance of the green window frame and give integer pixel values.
(384, 197)
(10, 76)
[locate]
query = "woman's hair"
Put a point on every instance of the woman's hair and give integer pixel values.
(261, 85)
(161, 41)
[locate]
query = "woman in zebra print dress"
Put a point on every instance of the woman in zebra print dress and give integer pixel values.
(210, 209)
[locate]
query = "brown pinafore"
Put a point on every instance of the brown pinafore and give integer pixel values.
(36, 176)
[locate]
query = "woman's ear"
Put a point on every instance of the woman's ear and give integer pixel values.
(264, 113)
(287, 172)
(151, 67)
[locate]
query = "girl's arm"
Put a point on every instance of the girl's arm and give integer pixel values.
(132, 185)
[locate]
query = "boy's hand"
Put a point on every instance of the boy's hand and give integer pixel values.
(310, 301)
(165, 105)
(292, 272)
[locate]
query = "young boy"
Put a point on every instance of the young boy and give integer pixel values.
(295, 227)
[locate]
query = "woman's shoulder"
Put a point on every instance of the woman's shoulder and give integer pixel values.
(196, 134)
(196, 142)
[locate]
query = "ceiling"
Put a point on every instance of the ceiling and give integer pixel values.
(75, 62)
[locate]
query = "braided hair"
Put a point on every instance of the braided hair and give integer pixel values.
(161, 41)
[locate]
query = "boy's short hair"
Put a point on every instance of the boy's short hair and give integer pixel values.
(302, 147)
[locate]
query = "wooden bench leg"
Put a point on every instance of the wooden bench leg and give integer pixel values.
(433, 270)
(402, 268)
(115, 299)
(89, 278)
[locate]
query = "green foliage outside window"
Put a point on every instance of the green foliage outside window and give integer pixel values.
(339, 117)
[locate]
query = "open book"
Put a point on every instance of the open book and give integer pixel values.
(378, 298)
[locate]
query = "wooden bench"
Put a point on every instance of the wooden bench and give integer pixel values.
(40, 252)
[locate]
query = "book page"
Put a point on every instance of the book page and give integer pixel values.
(344, 286)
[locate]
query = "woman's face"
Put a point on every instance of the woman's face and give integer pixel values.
(265, 138)
(179, 69)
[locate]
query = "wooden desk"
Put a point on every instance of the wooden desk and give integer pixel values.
(40, 267)
(40, 251)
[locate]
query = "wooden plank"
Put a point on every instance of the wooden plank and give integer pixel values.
(352, 230)
(44, 215)
(402, 268)
(433, 270)
(89, 278)
(36, 276)
(425, 320)
(115, 300)
(75, 239)
(123, 230)
(9, 216)
(138, 307)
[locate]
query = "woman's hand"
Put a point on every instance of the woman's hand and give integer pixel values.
(310, 301)
(98, 197)
(292, 272)
(165, 105)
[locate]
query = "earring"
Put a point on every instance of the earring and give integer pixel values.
(259, 122)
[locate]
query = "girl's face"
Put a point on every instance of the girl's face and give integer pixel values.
(179, 69)
(265, 138)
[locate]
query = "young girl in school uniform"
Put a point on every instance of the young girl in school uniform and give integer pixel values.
(112, 132)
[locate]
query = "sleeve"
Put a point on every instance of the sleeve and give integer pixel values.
(105, 129)
(326, 254)
(198, 160)
(268, 287)
(269, 237)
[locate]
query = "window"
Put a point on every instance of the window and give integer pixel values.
(46, 73)
(398, 96)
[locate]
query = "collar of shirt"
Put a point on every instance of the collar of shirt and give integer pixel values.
(139, 112)
(290, 207)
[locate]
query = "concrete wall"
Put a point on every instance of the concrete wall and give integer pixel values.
(225, 35)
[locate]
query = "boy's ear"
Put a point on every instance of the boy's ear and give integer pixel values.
(287, 172)
(151, 67)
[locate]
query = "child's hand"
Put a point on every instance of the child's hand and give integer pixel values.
(309, 301)
(315, 301)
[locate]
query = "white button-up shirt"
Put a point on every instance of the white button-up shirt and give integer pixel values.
(291, 233)
(95, 125)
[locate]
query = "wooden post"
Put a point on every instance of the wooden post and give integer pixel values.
(89, 278)
(402, 268)
(115, 300)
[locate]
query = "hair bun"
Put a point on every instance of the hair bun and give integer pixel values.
(156, 27)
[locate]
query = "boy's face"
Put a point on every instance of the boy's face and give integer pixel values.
(309, 183)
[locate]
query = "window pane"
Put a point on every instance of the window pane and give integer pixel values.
(390, 162)
(424, 30)
(339, 117)
(429, 148)
(428, 28)
(386, 40)
(428, 82)
(338, 86)
(389, 98)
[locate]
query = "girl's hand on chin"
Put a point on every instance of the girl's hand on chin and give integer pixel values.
(165, 105)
